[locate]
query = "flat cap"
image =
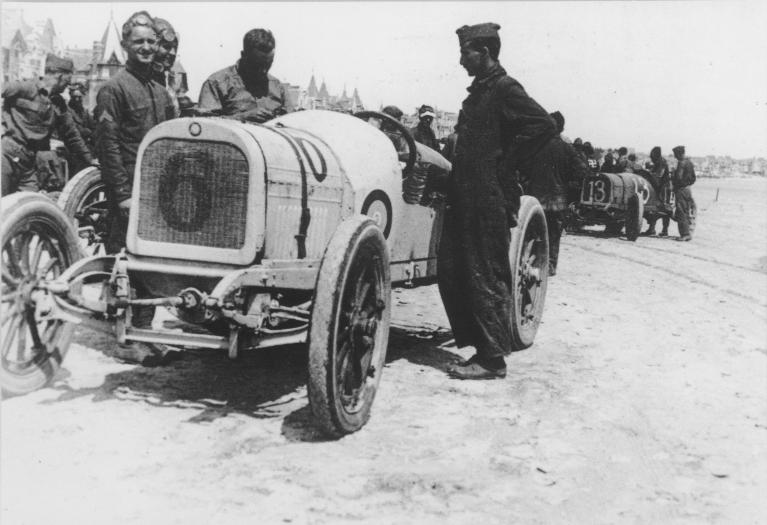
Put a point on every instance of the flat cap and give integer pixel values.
(486, 30)
(678, 149)
(393, 111)
(54, 64)
(426, 111)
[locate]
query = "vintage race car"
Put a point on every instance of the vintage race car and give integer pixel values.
(621, 199)
(254, 236)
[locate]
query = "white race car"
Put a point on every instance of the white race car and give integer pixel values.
(255, 235)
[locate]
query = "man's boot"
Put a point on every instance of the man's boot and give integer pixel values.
(479, 368)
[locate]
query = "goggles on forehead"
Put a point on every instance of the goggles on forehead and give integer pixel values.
(167, 35)
(141, 20)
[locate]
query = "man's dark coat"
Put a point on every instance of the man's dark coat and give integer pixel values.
(498, 123)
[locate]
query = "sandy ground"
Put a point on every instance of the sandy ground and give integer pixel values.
(644, 400)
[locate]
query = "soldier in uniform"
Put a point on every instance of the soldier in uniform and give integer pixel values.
(30, 118)
(422, 132)
(498, 120)
(661, 182)
(683, 178)
(621, 165)
(167, 48)
(593, 164)
(393, 133)
(577, 167)
(82, 119)
(246, 90)
(608, 162)
(633, 166)
(448, 150)
(127, 107)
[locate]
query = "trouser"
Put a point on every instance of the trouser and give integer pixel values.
(555, 223)
(19, 168)
(474, 279)
(685, 212)
(117, 230)
(666, 220)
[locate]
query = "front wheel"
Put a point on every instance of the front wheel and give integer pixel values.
(529, 258)
(38, 244)
(349, 326)
(84, 200)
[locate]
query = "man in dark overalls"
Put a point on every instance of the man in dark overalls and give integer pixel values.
(162, 67)
(498, 120)
(29, 120)
(82, 119)
(127, 107)
(682, 179)
(423, 132)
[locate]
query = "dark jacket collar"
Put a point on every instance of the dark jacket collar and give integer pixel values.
(143, 74)
(489, 76)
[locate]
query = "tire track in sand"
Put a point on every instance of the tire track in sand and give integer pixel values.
(681, 275)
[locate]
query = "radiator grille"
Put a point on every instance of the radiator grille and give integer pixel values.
(194, 193)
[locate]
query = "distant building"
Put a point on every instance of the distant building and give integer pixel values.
(14, 48)
(26, 45)
(314, 98)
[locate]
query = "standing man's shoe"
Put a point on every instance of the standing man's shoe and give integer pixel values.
(472, 369)
(664, 233)
(649, 232)
(684, 238)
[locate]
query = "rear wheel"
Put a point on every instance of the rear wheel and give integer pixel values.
(38, 244)
(529, 258)
(84, 200)
(634, 217)
(349, 327)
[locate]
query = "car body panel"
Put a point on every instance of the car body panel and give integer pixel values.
(334, 164)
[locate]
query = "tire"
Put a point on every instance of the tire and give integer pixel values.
(347, 345)
(84, 201)
(634, 217)
(529, 258)
(37, 239)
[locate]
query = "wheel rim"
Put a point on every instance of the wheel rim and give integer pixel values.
(358, 338)
(378, 212)
(29, 255)
(532, 269)
(91, 219)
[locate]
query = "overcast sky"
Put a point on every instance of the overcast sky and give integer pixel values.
(637, 74)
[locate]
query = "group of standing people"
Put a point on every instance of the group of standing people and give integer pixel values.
(666, 182)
